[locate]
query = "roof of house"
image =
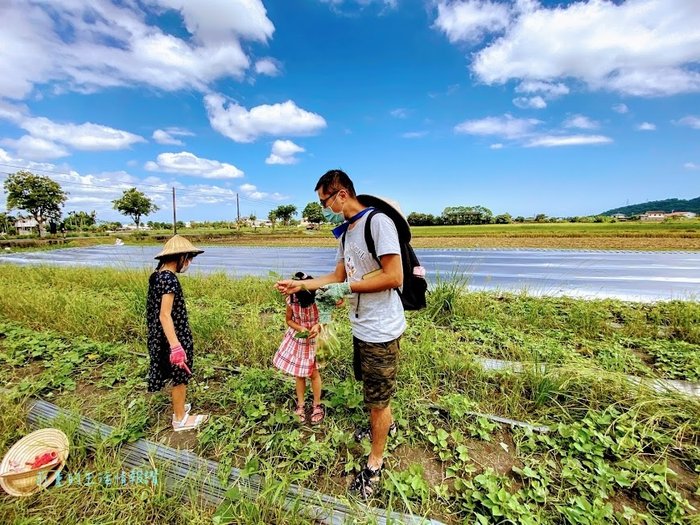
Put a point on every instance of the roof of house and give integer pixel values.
(25, 223)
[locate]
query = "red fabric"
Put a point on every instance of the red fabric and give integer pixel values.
(42, 459)
(295, 356)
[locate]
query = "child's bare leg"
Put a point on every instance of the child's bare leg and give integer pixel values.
(316, 386)
(301, 389)
(178, 397)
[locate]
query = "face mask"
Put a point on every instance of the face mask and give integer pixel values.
(185, 267)
(332, 216)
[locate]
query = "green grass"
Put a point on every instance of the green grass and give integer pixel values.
(617, 453)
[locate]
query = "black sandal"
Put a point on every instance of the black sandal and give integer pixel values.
(366, 432)
(364, 483)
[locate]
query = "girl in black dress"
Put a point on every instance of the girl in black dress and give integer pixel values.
(170, 344)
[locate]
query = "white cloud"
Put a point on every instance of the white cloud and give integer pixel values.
(399, 113)
(530, 102)
(498, 145)
(638, 47)
(167, 136)
(469, 20)
(46, 138)
(186, 163)
(267, 66)
(87, 136)
(12, 112)
(361, 4)
(241, 125)
(14, 162)
(117, 45)
(414, 134)
(219, 20)
(451, 90)
(691, 166)
(96, 191)
(646, 126)
(506, 126)
(691, 121)
(549, 89)
(283, 152)
(620, 108)
(580, 122)
(251, 192)
(551, 141)
(29, 147)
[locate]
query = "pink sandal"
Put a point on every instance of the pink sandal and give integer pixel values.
(301, 414)
(317, 414)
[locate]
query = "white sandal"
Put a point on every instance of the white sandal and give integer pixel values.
(188, 408)
(181, 426)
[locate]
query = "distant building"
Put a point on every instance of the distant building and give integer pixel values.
(653, 216)
(620, 217)
(26, 226)
(131, 226)
(682, 214)
(257, 223)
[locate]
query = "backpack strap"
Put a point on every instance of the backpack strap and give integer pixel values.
(370, 247)
(369, 241)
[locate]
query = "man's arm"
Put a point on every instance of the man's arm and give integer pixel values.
(290, 286)
(390, 276)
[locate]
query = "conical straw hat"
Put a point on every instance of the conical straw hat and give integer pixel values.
(391, 208)
(25, 450)
(178, 245)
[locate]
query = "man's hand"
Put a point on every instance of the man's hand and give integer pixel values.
(288, 286)
(333, 292)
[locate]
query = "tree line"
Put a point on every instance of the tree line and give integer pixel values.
(465, 215)
(42, 199)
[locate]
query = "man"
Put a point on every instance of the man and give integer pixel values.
(376, 313)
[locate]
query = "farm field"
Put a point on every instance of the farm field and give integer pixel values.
(616, 451)
(683, 235)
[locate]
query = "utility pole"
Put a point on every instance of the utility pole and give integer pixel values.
(174, 214)
(238, 210)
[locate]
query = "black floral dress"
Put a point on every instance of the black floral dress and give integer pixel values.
(160, 371)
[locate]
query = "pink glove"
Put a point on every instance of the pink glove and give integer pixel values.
(178, 358)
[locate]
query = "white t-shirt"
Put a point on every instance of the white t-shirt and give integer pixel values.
(379, 317)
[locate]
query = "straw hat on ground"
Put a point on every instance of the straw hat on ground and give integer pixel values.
(178, 245)
(26, 482)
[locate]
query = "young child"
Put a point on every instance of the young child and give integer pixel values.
(297, 355)
(170, 343)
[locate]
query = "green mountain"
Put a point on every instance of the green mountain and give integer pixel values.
(667, 205)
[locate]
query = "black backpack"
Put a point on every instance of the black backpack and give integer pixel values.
(414, 287)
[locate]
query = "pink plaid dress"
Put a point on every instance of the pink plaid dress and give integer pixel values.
(298, 356)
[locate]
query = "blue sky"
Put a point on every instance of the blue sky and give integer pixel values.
(564, 108)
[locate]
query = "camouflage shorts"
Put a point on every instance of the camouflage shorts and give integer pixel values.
(375, 365)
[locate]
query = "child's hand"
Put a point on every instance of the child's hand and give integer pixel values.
(314, 330)
(178, 358)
